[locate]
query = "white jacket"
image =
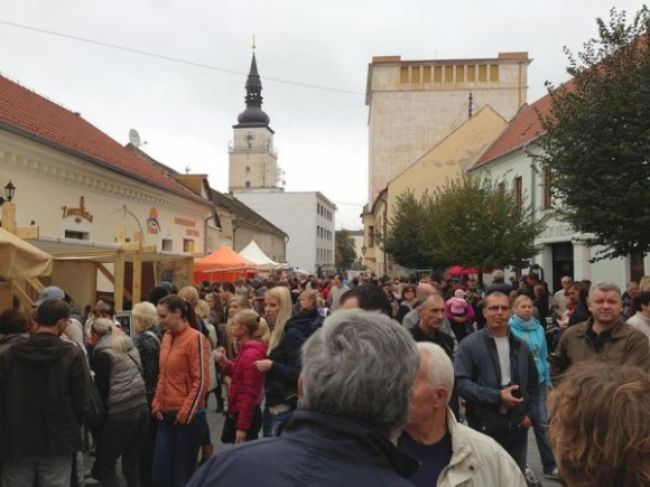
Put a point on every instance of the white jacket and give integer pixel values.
(477, 460)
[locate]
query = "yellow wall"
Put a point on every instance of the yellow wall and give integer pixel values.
(443, 162)
(448, 159)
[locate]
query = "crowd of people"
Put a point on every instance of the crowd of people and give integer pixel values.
(382, 381)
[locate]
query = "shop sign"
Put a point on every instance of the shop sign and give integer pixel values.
(186, 222)
(78, 213)
(153, 225)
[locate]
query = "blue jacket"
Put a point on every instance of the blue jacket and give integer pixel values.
(478, 375)
(315, 450)
(533, 334)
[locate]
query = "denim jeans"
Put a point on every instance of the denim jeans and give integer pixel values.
(50, 471)
(540, 426)
(274, 423)
(176, 451)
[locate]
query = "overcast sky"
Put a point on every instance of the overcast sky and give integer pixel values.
(186, 113)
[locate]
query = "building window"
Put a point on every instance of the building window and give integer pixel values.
(77, 235)
(248, 169)
(494, 72)
(248, 184)
(415, 74)
(518, 190)
(547, 189)
(437, 74)
(404, 74)
(317, 231)
(167, 244)
(471, 73)
(460, 73)
(371, 236)
(482, 72)
(188, 246)
(426, 75)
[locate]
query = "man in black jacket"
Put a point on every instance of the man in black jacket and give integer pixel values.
(496, 375)
(44, 398)
(358, 370)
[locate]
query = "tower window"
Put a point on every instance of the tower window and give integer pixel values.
(248, 169)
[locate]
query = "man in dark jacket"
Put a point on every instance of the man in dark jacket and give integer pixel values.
(357, 374)
(44, 398)
(496, 375)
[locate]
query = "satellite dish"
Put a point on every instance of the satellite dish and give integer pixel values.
(134, 138)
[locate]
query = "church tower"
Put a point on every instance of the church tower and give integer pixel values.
(253, 161)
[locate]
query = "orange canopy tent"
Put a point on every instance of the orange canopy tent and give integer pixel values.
(224, 264)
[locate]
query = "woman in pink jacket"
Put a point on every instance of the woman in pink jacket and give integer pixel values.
(244, 418)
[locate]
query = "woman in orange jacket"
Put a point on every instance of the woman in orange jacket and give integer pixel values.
(179, 402)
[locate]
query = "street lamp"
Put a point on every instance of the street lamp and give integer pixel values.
(10, 190)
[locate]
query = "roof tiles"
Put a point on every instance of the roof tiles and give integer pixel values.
(26, 111)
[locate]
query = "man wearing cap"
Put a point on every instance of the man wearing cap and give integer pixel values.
(44, 399)
(73, 329)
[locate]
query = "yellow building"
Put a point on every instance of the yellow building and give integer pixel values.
(444, 162)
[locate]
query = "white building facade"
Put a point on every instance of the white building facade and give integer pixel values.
(308, 218)
(510, 160)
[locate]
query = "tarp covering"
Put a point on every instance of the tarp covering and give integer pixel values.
(254, 253)
(21, 260)
(215, 265)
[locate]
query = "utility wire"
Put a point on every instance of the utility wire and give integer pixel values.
(173, 59)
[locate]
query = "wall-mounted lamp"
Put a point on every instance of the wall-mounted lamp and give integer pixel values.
(10, 190)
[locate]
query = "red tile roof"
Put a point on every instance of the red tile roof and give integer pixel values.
(522, 129)
(24, 112)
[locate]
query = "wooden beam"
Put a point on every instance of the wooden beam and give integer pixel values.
(137, 278)
(22, 296)
(118, 293)
(36, 284)
(107, 274)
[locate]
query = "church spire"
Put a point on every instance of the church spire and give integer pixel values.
(253, 116)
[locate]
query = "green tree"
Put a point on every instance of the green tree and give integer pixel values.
(477, 223)
(471, 222)
(345, 254)
(406, 234)
(597, 143)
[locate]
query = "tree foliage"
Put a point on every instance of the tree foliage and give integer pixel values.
(405, 239)
(344, 254)
(597, 146)
(471, 222)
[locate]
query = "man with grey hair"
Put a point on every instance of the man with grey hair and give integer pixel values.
(357, 374)
(603, 337)
(412, 318)
(447, 450)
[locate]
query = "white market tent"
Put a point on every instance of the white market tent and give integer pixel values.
(254, 253)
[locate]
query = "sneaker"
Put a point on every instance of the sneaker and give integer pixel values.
(553, 475)
(531, 479)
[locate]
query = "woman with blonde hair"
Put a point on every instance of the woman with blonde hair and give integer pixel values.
(244, 418)
(283, 365)
(147, 340)
(527, 328)
(118, 378)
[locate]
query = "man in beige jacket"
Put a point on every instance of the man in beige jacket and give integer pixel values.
(450, 454)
